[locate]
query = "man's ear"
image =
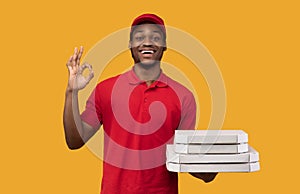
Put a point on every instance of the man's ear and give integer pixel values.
(165, 46)
(129, 44)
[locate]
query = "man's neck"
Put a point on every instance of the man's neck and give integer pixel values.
(147, 74)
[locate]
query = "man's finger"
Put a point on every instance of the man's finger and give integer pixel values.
(80, 53)
(82, 68)
(91, 72)
(69, 62)
(75, 55)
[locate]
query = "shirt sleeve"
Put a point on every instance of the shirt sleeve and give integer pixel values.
(188, 113)
(92, 114)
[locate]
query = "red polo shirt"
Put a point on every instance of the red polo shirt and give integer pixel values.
(138, 122)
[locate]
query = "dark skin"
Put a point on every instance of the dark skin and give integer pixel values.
(147, 66)
(206, 177)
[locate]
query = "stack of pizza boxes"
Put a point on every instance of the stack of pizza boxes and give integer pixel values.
(211, 151)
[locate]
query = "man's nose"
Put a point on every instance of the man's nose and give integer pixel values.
(147, 41)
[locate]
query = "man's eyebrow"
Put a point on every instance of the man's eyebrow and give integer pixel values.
(155, 31)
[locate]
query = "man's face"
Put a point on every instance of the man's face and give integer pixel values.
(147, 44)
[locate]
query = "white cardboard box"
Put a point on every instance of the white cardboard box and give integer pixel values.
(251, 156)
(243, 167)
(210, 149)
(210, 137)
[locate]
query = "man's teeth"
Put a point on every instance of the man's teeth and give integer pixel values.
(147, 52)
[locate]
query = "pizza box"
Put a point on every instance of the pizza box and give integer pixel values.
(251, 156)
(210, 149)
(241, 167)
(210, 136)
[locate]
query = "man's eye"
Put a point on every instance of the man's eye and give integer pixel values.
(156, 38)
(139, 38)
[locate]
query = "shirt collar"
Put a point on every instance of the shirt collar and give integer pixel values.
(162, 80)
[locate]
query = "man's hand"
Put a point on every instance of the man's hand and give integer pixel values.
(206, 177)
(76, 80)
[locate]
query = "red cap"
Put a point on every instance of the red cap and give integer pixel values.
(148, 17)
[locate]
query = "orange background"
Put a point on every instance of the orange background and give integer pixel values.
(255, 43)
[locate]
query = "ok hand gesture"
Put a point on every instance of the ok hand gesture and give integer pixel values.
(76, 80)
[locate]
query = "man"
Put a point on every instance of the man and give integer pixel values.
(139, 111)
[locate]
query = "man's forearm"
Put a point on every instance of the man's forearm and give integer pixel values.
(72, 121)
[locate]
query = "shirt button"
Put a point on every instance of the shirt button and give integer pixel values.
(145, 99)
